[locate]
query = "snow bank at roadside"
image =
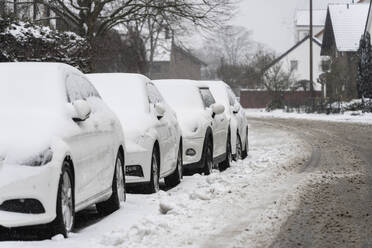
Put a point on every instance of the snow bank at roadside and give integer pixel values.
(348, 116)
(241, 207)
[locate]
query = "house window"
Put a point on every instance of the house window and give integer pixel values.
(294, 65)
(325, 65)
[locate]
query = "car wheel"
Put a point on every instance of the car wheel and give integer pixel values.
(226, 163)
(118, 190)
(238, 147)
(175, 178)
(245, 151)
(154, 185)
(64, 222)
(207, 159)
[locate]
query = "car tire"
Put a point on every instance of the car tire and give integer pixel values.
(118, 189)
(226, 163)
(65, 220)
(245, 151)
(175, 178)
(207, 160)
(154, 185)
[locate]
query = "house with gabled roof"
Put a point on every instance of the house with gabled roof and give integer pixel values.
(368, 27)
(174, 61)
(296, 60)
(302, 21)
(345, 25)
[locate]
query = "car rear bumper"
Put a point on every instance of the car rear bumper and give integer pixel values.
(24, 182)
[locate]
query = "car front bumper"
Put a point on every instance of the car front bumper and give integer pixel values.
(139, 156)
(25, 182)
(197, 145)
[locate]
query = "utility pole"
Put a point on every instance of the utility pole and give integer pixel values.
(311, 57)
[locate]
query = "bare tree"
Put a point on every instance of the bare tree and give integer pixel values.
(276, 79)
(233, 43)
(95, 17)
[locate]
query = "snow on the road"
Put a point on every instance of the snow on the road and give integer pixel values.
(241, 207)
(349, 116)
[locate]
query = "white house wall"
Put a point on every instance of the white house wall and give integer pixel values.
(303, 31)
(301, 54)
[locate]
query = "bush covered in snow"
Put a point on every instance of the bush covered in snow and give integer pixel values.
(21, 41)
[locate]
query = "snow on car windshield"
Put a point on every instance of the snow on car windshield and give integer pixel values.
(180, 94)
(26, 87)
(122, 92)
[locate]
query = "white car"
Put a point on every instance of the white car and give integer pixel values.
(236, 116)
(61, 147)
(203, 122)
(152, 133)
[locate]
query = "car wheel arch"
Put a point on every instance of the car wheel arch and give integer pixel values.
(68, 161)
(121, 152)
(209, 135)
(157, 148)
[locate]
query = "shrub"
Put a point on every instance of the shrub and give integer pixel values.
(22, 41)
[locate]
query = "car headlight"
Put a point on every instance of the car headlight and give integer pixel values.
(41, 159)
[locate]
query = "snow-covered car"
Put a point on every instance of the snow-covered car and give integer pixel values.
(203, 122)
(236, 116)
(152, 133)
(61, 147)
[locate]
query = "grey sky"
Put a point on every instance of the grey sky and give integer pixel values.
(271, 21)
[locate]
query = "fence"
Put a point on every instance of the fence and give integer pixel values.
(261, 99)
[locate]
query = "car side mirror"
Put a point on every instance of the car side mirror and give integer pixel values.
(160, 110)
(82, 110)
(236, 108)
(217, 109)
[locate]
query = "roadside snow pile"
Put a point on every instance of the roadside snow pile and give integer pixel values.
(241, 207)
(347, 116)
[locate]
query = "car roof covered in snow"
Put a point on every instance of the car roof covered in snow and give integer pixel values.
(34, 84)
(123, 92)
(219, 91)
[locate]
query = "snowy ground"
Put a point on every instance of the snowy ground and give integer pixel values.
(352, 117)
(241, 207)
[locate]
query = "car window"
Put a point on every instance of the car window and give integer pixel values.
(232, 97)
(87, 88)
(78, 88)
(207, 97)
(153, 93)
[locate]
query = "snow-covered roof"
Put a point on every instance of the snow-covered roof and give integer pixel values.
(303, 17)
(348, 22)
(322, 4)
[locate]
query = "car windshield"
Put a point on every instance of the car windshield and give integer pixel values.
(26, 89)
(220, 94)
(181, 96)
(123, 94)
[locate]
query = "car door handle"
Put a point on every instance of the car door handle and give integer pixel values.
(222, 119)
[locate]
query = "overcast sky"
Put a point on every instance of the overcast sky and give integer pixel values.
(271, 21)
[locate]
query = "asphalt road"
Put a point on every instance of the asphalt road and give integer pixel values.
(335, 211)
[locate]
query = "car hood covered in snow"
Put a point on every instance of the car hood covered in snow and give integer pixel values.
(192, 121)
(26, 134)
